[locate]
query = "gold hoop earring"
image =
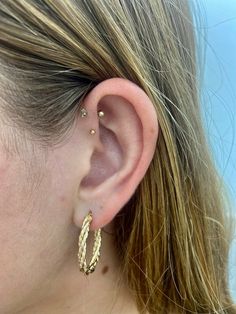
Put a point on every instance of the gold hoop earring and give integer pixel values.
(82, 246)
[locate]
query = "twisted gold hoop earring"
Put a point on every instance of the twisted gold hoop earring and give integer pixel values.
(82, 246)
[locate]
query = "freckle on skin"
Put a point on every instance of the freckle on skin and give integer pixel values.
(105, 269)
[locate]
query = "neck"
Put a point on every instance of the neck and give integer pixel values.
(72, 292)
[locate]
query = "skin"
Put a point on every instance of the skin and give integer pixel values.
(45, 195)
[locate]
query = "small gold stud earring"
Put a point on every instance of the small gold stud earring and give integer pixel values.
(92, 131)
(101, 114)
(83, 113)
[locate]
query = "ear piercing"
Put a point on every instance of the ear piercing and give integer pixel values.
(82, 243)
(84, 113)
(92, 131)
(101, 114)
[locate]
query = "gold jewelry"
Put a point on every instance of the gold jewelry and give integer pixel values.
(83, 113)
(82, 246)
(92, 131)
(101, 114)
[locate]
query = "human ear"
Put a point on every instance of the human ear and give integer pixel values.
(119, 153)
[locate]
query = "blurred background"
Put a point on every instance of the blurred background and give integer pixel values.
(219, 96)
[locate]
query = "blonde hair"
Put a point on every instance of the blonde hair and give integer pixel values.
(173, 236)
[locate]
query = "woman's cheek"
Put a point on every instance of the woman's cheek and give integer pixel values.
(24, 232)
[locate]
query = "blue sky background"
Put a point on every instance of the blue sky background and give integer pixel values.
(219, 96)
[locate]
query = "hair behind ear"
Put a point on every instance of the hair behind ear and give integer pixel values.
(172, 241)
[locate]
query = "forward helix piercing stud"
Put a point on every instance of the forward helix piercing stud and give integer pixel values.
(101, 114)
(84, 113)
(92, 131)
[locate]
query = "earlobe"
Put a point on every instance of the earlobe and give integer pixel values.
(126, 127)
